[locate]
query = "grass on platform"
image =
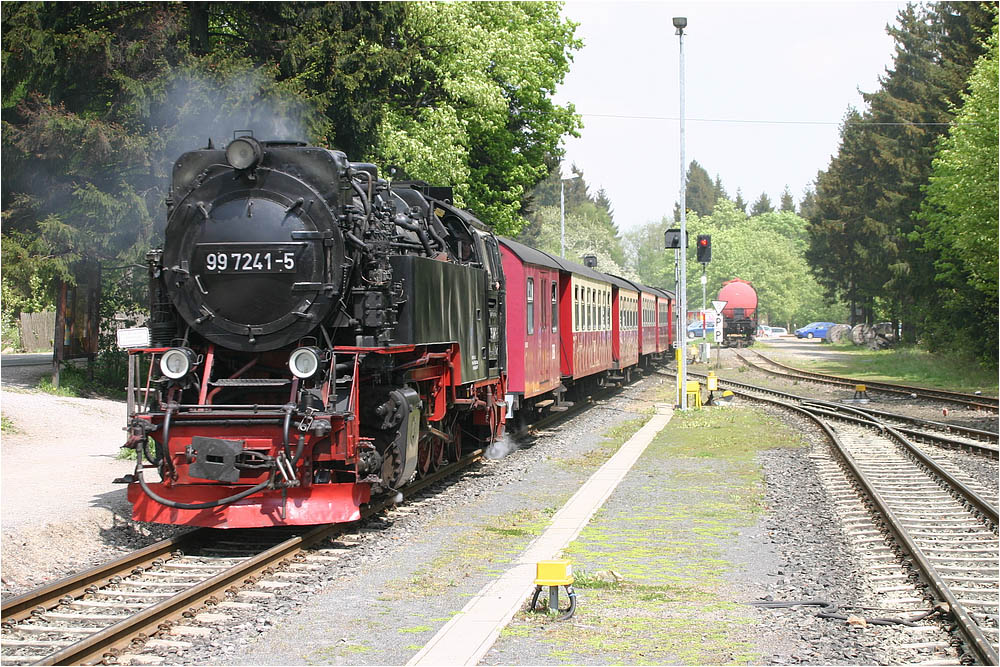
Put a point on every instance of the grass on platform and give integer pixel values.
(650, 567)
(907, 365)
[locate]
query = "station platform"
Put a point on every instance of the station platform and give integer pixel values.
(467, 637)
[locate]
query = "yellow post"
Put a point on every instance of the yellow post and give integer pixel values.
(678, 351)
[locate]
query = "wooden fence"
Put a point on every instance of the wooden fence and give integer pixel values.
(37, 330)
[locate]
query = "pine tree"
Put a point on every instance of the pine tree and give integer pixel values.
(762, 205)
(589, 220)
(807, 207)
(787, 202)
(741, 205)
(868, 196)
(960, 215)
(700, 193)
(720, 192)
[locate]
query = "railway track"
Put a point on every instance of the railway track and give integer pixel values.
(111, 611)
(974, 401)
(941, 434)
(944, 522)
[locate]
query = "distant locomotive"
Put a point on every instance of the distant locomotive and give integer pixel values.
(740, 314)
(318, 335)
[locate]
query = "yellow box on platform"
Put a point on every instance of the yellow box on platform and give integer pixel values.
(693, 394)
(712, 382)
(553, 573)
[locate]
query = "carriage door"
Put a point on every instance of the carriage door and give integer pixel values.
(496, 309)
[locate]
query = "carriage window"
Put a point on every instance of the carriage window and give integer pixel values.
(576, 308)
(530, 307)
(590, 309)
(592, 319)
(542, 310)
(555, 306)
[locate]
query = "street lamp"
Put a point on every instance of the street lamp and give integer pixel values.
(562, 213)
(680, 23)
(562, 217)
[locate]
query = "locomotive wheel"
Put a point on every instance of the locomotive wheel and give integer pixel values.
(437, 453)
(454, 448)
(424, 448)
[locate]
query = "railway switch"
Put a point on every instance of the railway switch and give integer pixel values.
(555, 573)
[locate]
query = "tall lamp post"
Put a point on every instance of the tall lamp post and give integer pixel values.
(680, 23)
(562, 216)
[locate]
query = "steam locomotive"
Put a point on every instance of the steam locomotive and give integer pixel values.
(318, 335)
(315, 335)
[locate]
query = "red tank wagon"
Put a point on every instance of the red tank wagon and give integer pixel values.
(740, 313)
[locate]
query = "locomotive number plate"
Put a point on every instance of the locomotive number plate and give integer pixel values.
(248, 257)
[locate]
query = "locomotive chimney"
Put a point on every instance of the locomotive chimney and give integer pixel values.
(590, 261)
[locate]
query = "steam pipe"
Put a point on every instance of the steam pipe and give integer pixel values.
(401, 221)
(364, 199)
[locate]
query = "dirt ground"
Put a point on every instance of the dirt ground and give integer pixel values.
(59, 509)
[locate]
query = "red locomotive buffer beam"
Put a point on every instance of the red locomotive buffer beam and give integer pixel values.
(235, 452)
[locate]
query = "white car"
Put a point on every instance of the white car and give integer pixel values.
(778, 331)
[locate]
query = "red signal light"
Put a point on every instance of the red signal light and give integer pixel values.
(704, 248)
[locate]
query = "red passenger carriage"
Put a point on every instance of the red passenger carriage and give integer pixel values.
(625, 330)
(533, 323)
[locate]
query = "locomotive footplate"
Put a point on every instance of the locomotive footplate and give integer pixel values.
(215, 459)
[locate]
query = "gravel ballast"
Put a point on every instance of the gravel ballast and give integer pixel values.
(399, 578)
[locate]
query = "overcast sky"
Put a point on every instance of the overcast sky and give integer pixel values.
(767, 85)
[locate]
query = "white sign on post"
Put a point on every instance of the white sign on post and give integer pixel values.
(717, 332)
(719, 305)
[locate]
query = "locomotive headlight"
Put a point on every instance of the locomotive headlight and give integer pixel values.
(177, 362)
(305, 361)
(244, 152)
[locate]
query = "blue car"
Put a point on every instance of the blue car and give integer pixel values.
(694, 329)
(814, 330)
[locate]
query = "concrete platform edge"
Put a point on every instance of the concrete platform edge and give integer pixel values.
(466, 638)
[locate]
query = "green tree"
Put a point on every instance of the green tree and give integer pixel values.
(766, 250)
(762, 205)
(700, 196)
(719, 190)
(492, 128)
(590, 227)
(848, 247)
(866, 242)
(787, 202)
(100, 98)
(807, 207)
(961, 213)
(741, 204)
